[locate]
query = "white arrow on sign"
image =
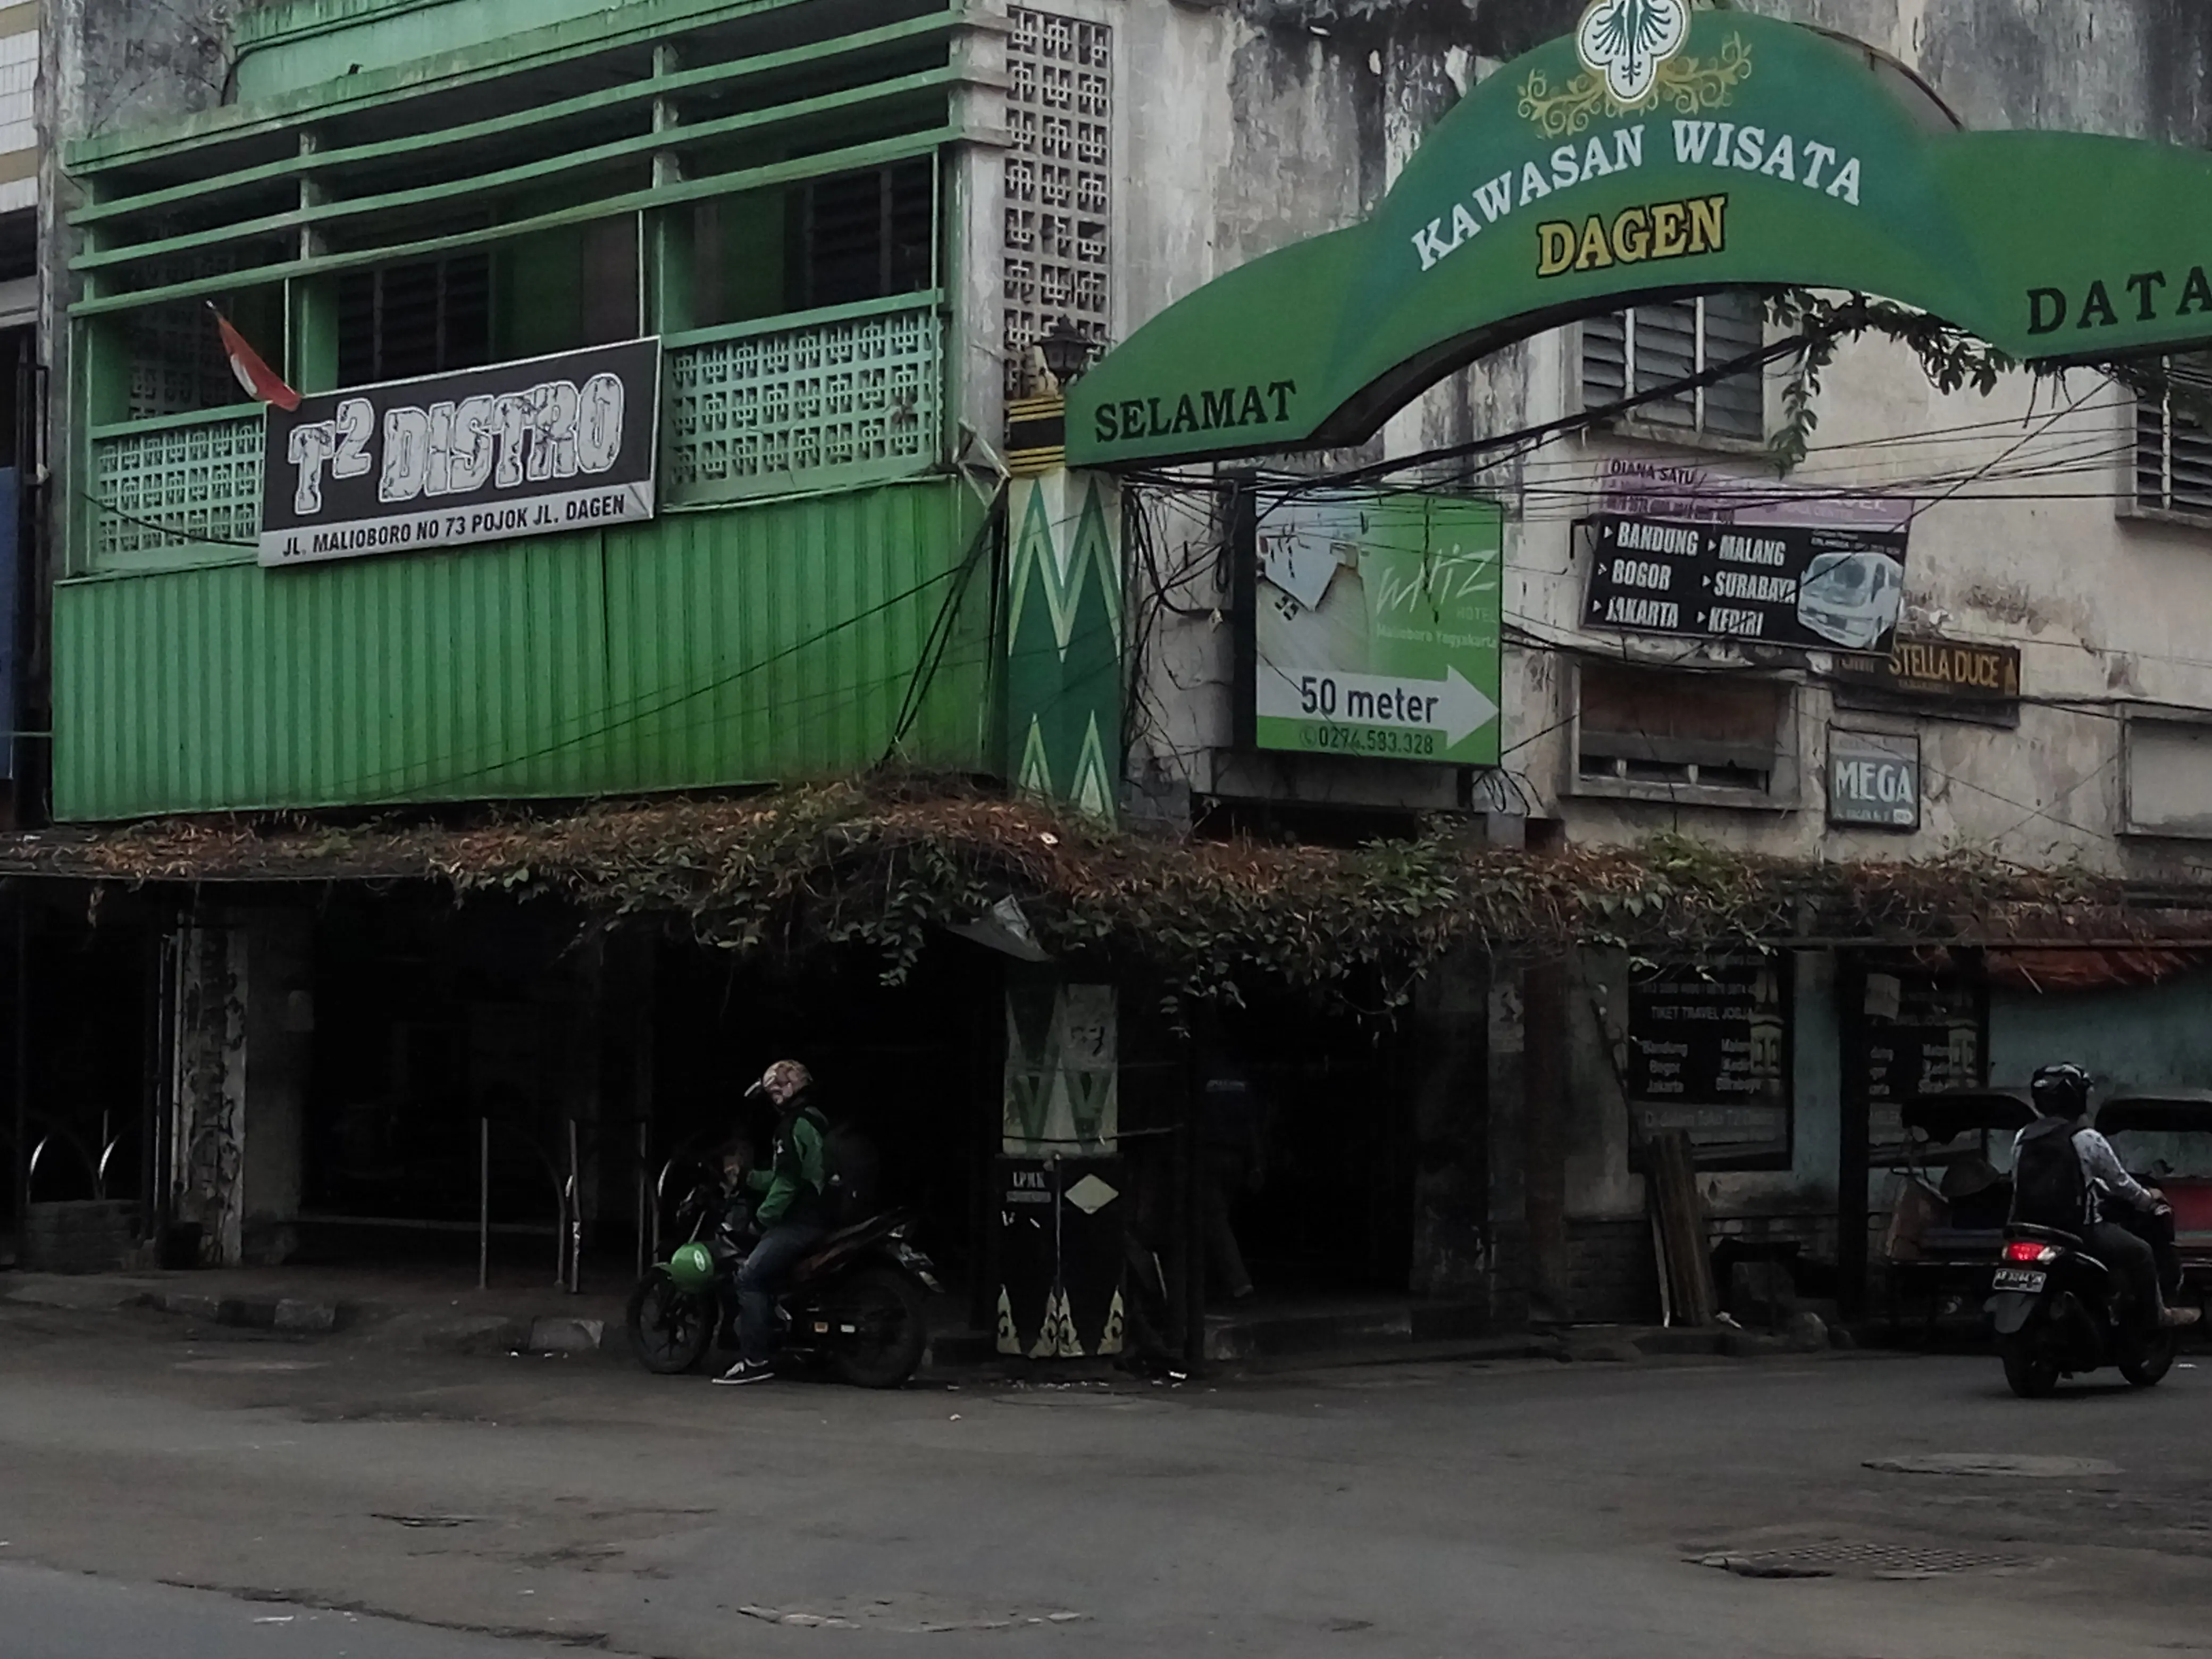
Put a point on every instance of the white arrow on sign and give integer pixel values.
(1450, 703)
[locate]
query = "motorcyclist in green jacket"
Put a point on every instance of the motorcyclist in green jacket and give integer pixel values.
(792, 1212)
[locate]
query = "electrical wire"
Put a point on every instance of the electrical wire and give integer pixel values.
(176, 533)
(2074, 454)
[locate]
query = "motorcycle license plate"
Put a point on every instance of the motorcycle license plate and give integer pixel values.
(2019, 1278)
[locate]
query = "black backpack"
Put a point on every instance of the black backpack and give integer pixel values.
(855, 1173)
(2049, 1188)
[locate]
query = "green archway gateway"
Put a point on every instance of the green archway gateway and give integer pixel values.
(1662, 152)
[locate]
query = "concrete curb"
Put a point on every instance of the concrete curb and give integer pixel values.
(1371, 1336)
(78, 1296)
(1236, 1337)
(294, 1314)
(493, 1333)
(440, 1333)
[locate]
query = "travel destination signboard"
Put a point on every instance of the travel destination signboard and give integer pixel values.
(1812, 587)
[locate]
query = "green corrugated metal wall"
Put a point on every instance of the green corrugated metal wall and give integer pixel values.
(769, 642)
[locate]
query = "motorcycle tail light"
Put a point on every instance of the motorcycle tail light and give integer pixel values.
(2026, 1249)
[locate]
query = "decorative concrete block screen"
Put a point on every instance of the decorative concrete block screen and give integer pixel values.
(1059, 176)
(853, 396)
(175, 483)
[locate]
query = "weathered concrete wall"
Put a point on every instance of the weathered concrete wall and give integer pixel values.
(1451, 1201)
(106, 65)
(2132, 1037)
(205, 1180)
(279, 1059)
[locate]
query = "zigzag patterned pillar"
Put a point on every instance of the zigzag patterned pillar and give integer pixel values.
(1064, 634)
(1062, 1197)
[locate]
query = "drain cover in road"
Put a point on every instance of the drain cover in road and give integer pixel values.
(1994, 1463)
(1858, 1560)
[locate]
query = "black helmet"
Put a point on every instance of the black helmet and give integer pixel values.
(2060, 1091)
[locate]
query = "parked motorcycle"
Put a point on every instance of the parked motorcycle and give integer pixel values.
(855, 1307)
(2059, 1311)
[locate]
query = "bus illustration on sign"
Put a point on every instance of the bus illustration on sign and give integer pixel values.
(1851, 597)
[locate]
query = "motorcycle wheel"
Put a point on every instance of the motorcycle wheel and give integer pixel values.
(892, 1325)
(2028, 1371)
(2148, 1361)
(669, 1329)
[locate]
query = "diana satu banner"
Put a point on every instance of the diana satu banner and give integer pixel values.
(517, 449)
(1377, 626)
(1741, 151)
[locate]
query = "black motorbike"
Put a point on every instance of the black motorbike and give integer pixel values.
(855, 1307)
(2059, 1311)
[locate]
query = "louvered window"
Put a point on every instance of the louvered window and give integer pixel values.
(1650, 730)
(2173, 449)
(398, 321)
(867, 235)
(1640, 351)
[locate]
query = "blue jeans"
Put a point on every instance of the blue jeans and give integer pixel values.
(782, 1248)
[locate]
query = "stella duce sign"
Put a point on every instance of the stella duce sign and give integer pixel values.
(1657, 151)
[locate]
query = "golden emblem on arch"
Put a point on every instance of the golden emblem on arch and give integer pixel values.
(1688, 85)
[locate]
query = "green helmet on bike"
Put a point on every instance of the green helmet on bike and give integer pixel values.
(692, 1268)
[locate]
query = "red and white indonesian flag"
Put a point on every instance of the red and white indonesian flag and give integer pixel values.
(257, 377)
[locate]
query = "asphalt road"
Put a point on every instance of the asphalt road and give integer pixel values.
(530, 1506)
(57, 1615)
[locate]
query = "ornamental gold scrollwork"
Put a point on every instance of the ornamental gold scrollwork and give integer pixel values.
(1688, 84)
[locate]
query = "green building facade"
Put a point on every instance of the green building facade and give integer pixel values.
(792, 198)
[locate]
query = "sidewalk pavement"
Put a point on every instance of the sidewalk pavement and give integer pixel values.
(429, 1309)
(442, 1312)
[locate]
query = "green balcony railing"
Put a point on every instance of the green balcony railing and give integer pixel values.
(820, 400)
(816, 400)
(175, 482)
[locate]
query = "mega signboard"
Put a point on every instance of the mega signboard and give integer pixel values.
(1874, 779)
(1808, 586)
(1661, 150)
(1375, 627)
(517, 449)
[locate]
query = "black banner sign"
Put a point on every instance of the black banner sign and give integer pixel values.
(1706, 1054)
(1918, 1033)
(517, 449)
(1810, 587)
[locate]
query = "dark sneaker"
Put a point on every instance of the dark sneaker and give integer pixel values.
(746, 1370)
(2175, 1319)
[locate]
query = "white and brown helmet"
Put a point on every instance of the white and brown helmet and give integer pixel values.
(785, 1079)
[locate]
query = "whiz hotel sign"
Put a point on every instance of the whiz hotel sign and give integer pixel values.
(1375, 631)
